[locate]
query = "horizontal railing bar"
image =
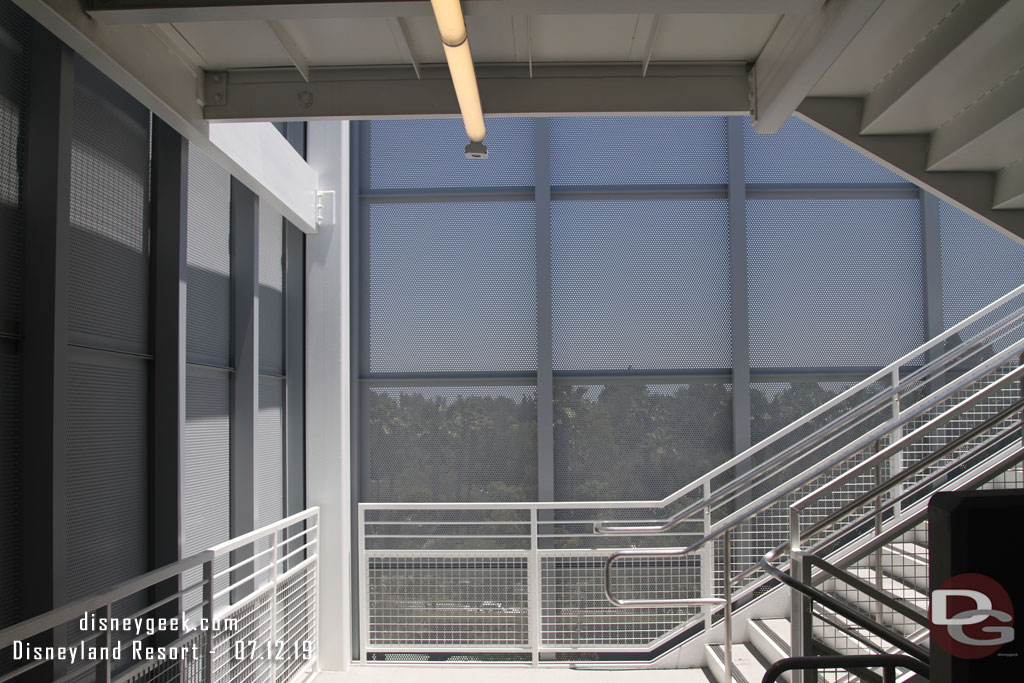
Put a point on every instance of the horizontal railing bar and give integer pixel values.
(423, 649)
(170, 598)
(251, 577)
(249, 560)
(525, 507)
(62, 615)
(248, 538)
(285, 558)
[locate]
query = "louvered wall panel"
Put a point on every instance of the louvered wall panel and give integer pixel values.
(14, 47)
(208, 333)
(10, 388)
(271, 279)
(108, 268)
(269, 465)
(205, 473)
(106, 514)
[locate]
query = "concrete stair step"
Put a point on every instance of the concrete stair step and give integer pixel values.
(907, 562)
(900, 590)
(747, 666)
(770, 637)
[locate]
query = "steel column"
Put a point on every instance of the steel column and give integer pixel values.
(294, 369)
(545, 382)
(46, 201)
(738, 278)
(245, 359)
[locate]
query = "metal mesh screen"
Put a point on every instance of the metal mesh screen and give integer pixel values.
(107, 474)
(429, 153)
(271, 290)
(655, 150)
(636, 441)
(108, 255)
(10, 492)
(473, 600)
(452, 443)
(800, 153)
(269, 465)
(979, 264)
(14, 57)
(453, 287)
(208, 332)
(640, 285)
(833, 283)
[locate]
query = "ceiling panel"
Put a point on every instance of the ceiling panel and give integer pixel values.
(235, 44)
(339, 42)
(713, 37)
(577, 38)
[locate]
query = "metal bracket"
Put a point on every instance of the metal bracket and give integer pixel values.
(325, 208)
(215, 87)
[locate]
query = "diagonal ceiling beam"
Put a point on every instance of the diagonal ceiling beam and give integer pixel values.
(799, 52)
(169, 11)
(972, 191)
(507, 90)
(1010, 187)
(932, 61)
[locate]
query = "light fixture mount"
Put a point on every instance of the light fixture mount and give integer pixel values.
(476, 150)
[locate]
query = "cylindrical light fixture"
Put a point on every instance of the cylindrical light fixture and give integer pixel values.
(452, 26)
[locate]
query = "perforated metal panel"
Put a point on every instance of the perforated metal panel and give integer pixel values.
(452, 443)
(979, 264)
(636, 150)
(208, 333)
(107, 510)
(206, 463)
(800, 153)
(833, 283)
(108, 255)
(640, 285)
(271, 294)
(636, 441)
(453, 287)
(430, 153)
(10, 491)
(14, 48)
(269, 460)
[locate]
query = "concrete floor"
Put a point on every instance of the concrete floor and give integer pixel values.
(469, 674)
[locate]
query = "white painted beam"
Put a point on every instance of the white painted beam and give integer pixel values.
(931, 62)
(988, 135)
(403, 41)
(358, 93)
(141, 62)
(798, 54)
(291, 46)
(971, 191)
(1010, 187)
(170, 11)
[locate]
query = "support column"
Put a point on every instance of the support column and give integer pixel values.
(545, 382)
(47, 206)
(245, 360)
(329, 387)
(295, 369)
(738, 277)
(169, 207)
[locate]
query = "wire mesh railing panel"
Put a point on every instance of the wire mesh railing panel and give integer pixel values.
(296, 622)
(239, 654)
(463, 600)
(576, 613)
(182, 670)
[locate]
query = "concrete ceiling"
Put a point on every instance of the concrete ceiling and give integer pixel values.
(932, 88)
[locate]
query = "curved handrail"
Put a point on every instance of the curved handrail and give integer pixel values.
(950, 357)
(889, 663)
(758, 506)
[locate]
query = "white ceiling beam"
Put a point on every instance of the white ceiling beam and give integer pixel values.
(907, 155)
(403, 41)
(984, 131)
(1010, 187)
(291, 46)
(799, 52)
(393, 92)
(169, 11)
(652, 39)
(141, 63)
(931, 61)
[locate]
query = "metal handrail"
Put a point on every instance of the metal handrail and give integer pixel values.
(773, 497)
(888, 663)
(839, 608)
(875, 401)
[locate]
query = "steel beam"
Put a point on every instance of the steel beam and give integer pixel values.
(931, 62)
(390, 92)
(1010, 187)
(171, 11)
(971, 191)
(799, 52)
